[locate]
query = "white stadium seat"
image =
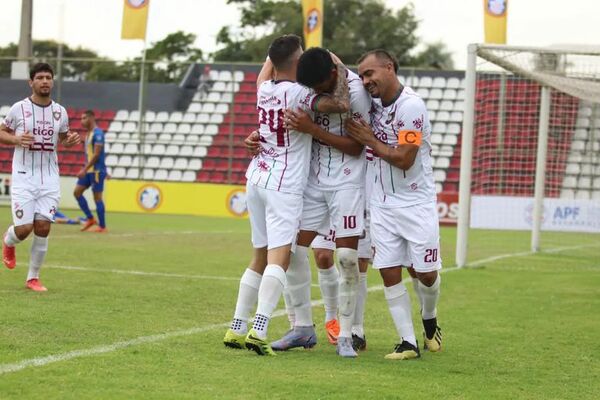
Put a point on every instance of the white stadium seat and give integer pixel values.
(208, 108)
(214, 97)
(162, 116)
(164, 137)
(134, 116)
(133, 173)
(172, 150)
(205, 140)
(203, 118)
(450, 140)
(115, 126)
(129, 127)
(423, 92)
(195, 164)
(148, 174)
(412, 81)
(131, 148)
(437, 138)
(167, 163)
(178, 138)
(216, 119)
(442, 162)
(447, 105)
(176, 117)
(453, 129)
(453, 83)
(119, 173)
(433, 105)
(425, 81)
(181, 163)
(439, 127)
(200, 151)
(153, 162)
(238, 76)
(188, 176)
(170, 128)
(184, 129)
(211, 130)
(439, 82)
(186, 151)
(189, 118)
(150, 116)
(116, 148)
(195, 107)
(122, 115)
(222, 108)
(439, 175)
(124, 161)
(112, 160)
(567, 194)
(442, 116)
(197, 129)
(449, 94)
(225, 76)
(161, 175)
(569, 182)
(158, 149)
(174, 175)
(583, 195)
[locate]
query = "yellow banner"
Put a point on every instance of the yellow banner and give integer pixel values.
(176, 198)
(312, 10)
(135, 19)
(494, 20)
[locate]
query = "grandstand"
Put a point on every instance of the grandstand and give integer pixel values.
(204, 143)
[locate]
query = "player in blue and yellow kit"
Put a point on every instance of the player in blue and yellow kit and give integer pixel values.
(93, 174)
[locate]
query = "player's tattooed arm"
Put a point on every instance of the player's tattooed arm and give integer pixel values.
(266, 72)
(401, 156)
(69, 138)
(7, 136)
(339, 101)
(300, 121)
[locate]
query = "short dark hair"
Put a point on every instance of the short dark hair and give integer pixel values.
(314, 67)
(282, 49)
(382, 55)
(90, 113)
(40, 67)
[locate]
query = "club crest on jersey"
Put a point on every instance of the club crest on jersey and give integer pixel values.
(390, 117)
(56, 115)
(496, 8)
(19, 214)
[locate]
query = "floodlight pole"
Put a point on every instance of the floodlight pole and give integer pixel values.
(142, 94)
(25, 44)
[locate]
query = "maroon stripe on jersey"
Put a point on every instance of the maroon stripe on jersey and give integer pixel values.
(284, 169)
(24, 130)
(42, 152)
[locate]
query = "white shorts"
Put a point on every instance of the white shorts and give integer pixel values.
(364, 243)
(31, 203)
(274, 216)
(324, 242)
(341, 210)
(406, 236)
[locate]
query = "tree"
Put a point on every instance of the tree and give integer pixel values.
(435, 56)
(351, 28)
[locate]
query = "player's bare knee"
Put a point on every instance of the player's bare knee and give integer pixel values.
(427, 278)
(412, 272)
(391, 276)
(259, 260)
(323, 258)
(23, 231)
(363, 264)
(41, 227)
(97, 196)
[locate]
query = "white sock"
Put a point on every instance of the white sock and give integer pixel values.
(247, 297)
(39, 248)
(399, 304)
(10, 237)
(359, 311)
(430, 295)
(329, 282)
(298, 284)
(348, 260)
(271, 286)
(289, 308)
(417, 288)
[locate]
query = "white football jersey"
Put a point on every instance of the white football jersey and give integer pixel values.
(284, 158)
(332, 169)
(402, 122)
(37, 165)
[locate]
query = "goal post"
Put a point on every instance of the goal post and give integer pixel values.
(530, 144)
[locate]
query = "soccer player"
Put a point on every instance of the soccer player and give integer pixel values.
(276, 180)
(333, 197)
(35, 126)
(93, 173)
(404, 219)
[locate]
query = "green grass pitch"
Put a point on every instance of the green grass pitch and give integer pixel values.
(141, 312)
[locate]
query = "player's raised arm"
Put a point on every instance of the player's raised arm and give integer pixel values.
(401, 156)
(266, 72)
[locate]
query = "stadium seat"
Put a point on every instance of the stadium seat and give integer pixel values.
(197, 129)
(194, 164)
(4, 110)
(203, 118)
(584, 182)
(129, 127)
(161, 175)
(195, 107)
(164, 138)
(200, 151)
(238, 76)
(225, 76)
(567, 194)
(208, 108)
(170, 128)
(205, 140)
(134, 116)
(184, 129)
(158, 149)
(124, 161)
(188, 176)
(211, 130)
(115, 126)
(583, 195)
(569, 182)
(449, 94)
(453, 83)
(179, 138)
(423, 92)
(180, 163)
(175, 175)
(133, 173)
(456, 116)
(412, 81)
(162, 116)
(214, 97)
(130, 148)
(167, 163)
(186, 151)
(122, 115)
(442, 162)
(216, 119)
(119, 173)
(227, 98)
(219, 86)
(439, 127)
(116, 148)
(447, 105)
(435, 94)
(148, 174)
(172, 150)
(425, 81)
(150, 116)
(111, 160)
(439, 82)
(433, 105)
(453, 129)
(110, 136)
(572, 169)
(450, 140)
(156, 127)
(442, 116)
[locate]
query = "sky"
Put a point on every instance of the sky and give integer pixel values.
(96, 24)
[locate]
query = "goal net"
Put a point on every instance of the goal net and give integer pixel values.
(530, 155)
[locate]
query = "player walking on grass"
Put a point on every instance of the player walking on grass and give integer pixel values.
(93, 173)
(276, 180)
(34, 126)
(334, 197)
(404, 219)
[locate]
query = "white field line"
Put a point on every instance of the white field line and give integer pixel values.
(42, 361)
(142, 234)
(146, 273)
(483, 261)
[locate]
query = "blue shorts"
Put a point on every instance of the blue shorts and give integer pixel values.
(93, 179)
